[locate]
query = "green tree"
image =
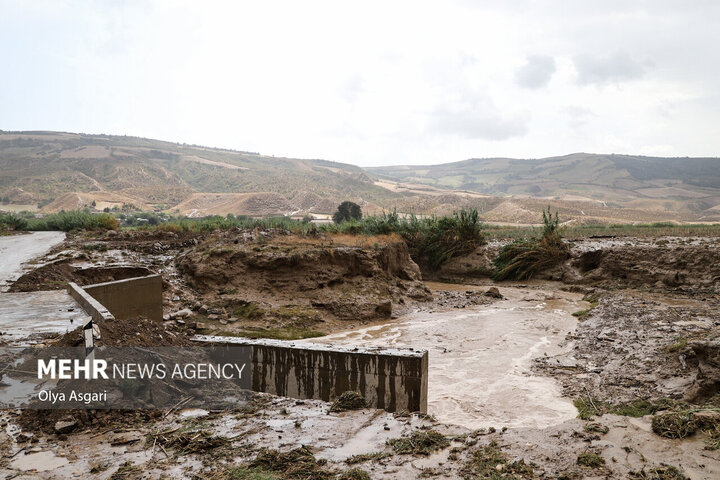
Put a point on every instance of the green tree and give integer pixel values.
(347, 211)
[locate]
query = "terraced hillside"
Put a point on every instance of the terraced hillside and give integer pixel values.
(63, 170)
(686, 187)
(55, 171)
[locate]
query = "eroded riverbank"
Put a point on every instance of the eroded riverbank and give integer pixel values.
(517, 363)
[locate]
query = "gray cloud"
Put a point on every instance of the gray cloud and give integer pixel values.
(477, 119)
(617, 68)
(536, 72)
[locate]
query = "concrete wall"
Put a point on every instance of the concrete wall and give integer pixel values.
(130, 298)
(390, 379)
(97, 311)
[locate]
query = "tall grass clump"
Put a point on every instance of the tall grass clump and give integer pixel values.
(74, 220)
(522, 259)
(12, 221)
(431, 241)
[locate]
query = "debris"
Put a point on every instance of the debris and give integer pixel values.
(419, 443)
(348, 401)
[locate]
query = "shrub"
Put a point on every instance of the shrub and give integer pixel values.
(522, 259)
(74, 220)
(347, 211)
(12, 221)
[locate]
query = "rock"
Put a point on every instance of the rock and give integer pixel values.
(111, 234)
(213, 316)
(196, 306)
(180, 322)
(203, 309)
(125, 438)
(22, 438)
(232, 319)
(65, 426)
(185, 312)
(199, 325)
(493, 292)
(175, 298)
(223, 322)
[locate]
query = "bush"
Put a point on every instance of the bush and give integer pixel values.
(522, 259)
(347, 211)
(74, 220)
(432, 241)
(12, 221)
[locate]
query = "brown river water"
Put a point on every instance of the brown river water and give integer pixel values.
(480, 357)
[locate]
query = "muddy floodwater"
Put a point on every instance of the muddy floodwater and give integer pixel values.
(481, 356)
(18, 249)
(23, 315)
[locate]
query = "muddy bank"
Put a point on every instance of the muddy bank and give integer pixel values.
(683, 264)
(689, 264)
(56, 275)
(640, 345)
(250, 275)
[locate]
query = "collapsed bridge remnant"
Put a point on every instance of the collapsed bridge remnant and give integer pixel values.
(121, 299)
(389, 379)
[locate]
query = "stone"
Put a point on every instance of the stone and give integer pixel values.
(203, 309)
(185, 312)
(199, 325)
(65, 426)
(493, 292)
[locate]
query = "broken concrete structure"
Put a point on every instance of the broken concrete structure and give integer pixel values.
(121, 299)
(389, 379)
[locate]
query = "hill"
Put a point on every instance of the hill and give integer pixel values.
(687, 188)
(56, 171)
(64, 170)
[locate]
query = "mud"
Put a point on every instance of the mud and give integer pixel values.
(633, 345)
(504, 372)
(56, 276)
(342, 282)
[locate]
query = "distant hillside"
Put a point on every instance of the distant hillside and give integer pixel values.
(688, 187)
(58, 171)
(63, 170)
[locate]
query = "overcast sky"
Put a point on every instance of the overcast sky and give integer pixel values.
(371, 83)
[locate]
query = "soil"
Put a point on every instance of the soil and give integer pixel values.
(363, 281)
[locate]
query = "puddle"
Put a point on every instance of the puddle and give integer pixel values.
(481, 357)
(40, 461)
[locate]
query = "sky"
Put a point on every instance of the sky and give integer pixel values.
(372, 82)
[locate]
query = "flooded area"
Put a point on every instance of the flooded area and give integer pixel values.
(18, 249)
(481, 356)
(25, 315)
(30, 314)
